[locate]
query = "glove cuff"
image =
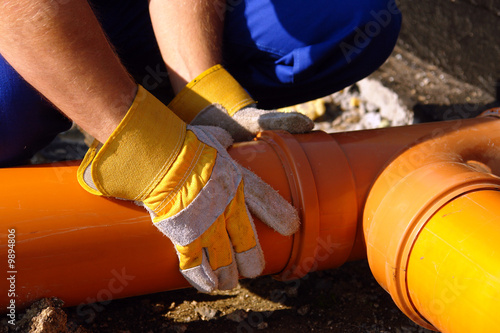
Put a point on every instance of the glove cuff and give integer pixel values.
(213, 86)
(137, 154)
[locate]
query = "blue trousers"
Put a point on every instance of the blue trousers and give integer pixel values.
(282, 52)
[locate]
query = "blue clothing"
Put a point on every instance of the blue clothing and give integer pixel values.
(282, 52)
(287, 52)
(27, 122)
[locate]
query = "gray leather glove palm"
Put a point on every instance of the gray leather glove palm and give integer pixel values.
(215, 98)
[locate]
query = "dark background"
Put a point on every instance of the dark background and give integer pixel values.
(462, 37)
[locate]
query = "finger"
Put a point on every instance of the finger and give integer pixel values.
(227, 276)
(256, 120)
(251, 263)
(292, 122)
(195, 268)
(241, 230)
(218, 249)
(216, 115)
(217, 245)
(268, 206)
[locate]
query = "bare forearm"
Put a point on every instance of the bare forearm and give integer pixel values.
(189, 33)
(61, 50)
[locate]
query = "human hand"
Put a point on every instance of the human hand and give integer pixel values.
(197, 195)
(215, 98)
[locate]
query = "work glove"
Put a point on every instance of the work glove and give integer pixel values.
(196, 194)
(215, 98)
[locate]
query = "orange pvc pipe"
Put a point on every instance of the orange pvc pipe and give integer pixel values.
(83, 248)
(407, 204)
(454, 266)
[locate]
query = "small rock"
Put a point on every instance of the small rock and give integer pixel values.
(292, 291)
(237, 316)
(371, 107)
(303, 310)
(158, 307)
(424, 82)
(313, 109)
(385, 123)
(206, 313)
(177, 328)
(352, 119)
(262, 325)
(371, 120)
(355, 102)
(49, 320)
(46, 316)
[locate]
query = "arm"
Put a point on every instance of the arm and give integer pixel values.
(189, 33)
(150, 157)
(61, 50)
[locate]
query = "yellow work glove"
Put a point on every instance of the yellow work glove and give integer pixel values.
(215, 98)
(194, 191)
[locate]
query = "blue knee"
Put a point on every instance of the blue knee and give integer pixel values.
(287, 52)
(27, 122)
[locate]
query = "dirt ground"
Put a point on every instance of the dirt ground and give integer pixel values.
(346, 299)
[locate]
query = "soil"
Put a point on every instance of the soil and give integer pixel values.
(345, 299)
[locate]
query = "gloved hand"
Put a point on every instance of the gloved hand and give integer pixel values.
(215, 98)
(194, 191)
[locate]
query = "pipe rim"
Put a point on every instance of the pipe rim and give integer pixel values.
(304, 198)
(395, 254)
